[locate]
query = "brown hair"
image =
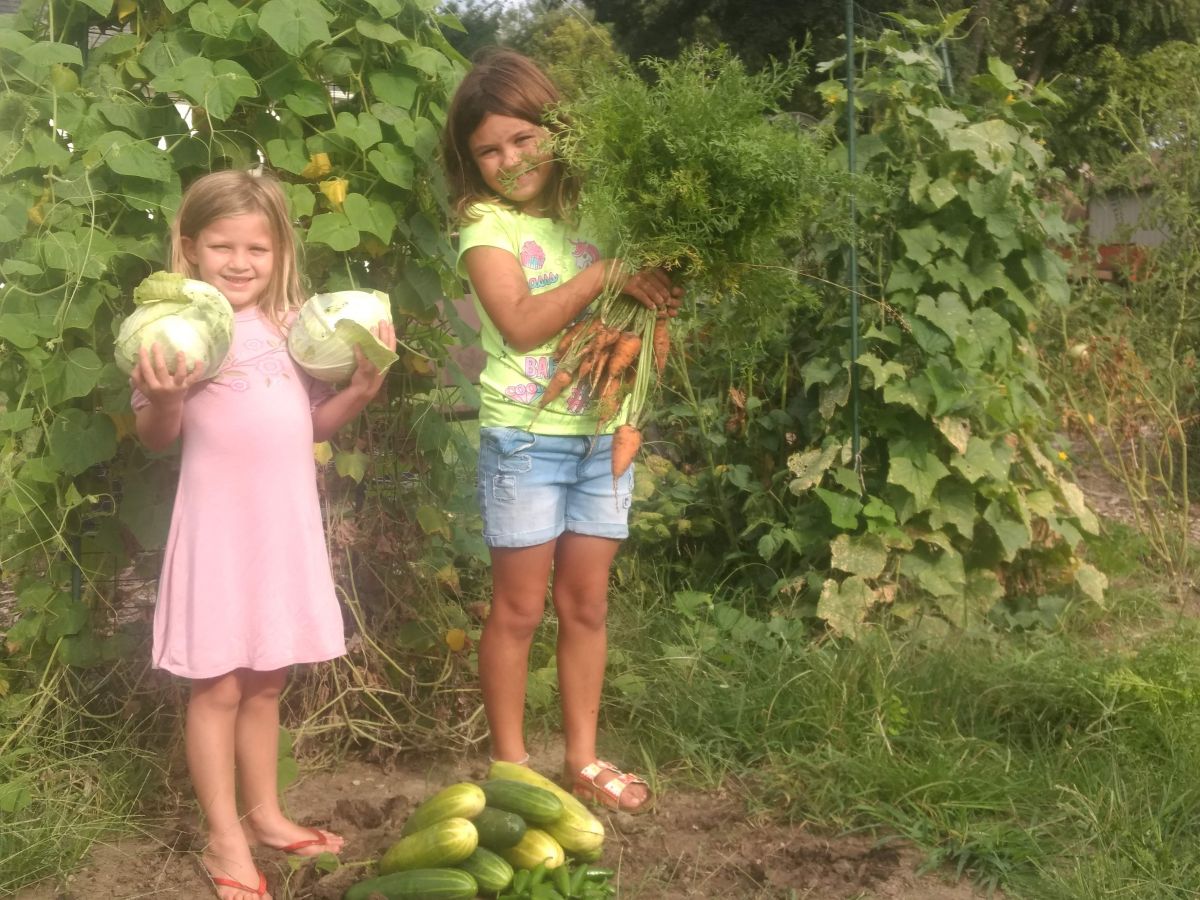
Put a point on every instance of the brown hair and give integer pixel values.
(504, 83)
(220, 195)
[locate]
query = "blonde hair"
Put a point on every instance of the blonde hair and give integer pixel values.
(221, 195)
(504, 83)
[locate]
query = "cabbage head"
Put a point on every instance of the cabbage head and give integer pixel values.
(330, 326)
(177, 313)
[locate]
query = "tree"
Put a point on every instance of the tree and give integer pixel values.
(1076, 44)
(568, 43)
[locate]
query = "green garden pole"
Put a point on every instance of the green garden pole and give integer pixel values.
(856, 436)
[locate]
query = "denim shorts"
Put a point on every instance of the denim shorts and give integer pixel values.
(533, 487)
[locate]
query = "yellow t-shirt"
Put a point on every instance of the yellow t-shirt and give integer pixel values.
(550, 253)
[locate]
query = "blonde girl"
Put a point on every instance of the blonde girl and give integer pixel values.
(246, 590)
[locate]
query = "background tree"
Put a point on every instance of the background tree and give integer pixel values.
(1078, 44)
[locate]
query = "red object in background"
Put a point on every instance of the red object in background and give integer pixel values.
(1128, 260)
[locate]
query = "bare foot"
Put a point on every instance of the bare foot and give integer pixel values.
(231, 869)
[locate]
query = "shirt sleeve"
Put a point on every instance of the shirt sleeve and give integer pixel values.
(138, 400)
(490, 227)
(318, 391)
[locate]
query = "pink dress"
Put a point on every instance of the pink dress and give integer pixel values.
(246, 581)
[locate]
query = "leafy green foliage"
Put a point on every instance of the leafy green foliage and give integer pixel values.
(690, 172)
(1123, 358)
(958, 500)
(958, 259)
(106, 114)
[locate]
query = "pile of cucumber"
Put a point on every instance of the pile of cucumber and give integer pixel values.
(508, 838)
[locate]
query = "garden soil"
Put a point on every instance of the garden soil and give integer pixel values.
(691, 845)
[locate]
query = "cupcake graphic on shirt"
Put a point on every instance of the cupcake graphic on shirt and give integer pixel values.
(532, 255)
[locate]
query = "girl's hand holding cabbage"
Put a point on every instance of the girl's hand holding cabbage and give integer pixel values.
(333, 334)
(164, 382)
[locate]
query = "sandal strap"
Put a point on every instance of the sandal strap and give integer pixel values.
(615, 781)
(261, 890)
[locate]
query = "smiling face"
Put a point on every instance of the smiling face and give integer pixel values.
(236, 255)
(514, 160)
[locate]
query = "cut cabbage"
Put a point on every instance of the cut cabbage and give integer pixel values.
(330, 326)
(179, 314)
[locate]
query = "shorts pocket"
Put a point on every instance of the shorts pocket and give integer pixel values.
(509, 445)
(504, 488)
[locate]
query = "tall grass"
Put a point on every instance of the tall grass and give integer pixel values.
(69, 776)
(1056, 765)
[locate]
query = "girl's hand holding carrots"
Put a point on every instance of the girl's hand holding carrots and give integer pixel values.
(652, 287)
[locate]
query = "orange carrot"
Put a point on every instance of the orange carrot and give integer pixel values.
(558, 383)
(661, 343)
(626, 441)
(599, 367)
(568, 338)
(624, 352)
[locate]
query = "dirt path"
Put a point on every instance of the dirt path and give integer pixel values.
(693, 845)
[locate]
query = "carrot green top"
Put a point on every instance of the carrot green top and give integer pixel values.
(550, 253)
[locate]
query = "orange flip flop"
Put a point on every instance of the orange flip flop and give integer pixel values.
(318, 837)
(218, 881)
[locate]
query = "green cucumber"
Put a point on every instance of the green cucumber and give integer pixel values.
(417, 884)
(463, 801)
(491, 872)
(535, 805)
(442, 844)
(498, 829)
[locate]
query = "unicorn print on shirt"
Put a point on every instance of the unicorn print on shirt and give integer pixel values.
(584, 254)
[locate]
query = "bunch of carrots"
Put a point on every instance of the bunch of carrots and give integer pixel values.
(616, 353)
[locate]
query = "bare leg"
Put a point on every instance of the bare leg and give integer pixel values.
(211, 723)
(257, 743)
(519, 579)
(581, 569)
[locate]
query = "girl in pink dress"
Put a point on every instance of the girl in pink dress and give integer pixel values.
(246, 589)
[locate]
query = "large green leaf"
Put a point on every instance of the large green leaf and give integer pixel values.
(218, 18)
(216, 87)
(939, 571)
(295, 25)
(81, 373)
(1014, 535)
(983, 459)
(78, 440)
(394, 88)
(379, 31)
(363, 130)
(916, 470)
(844, 606)
(920, 243)
(843, 509)
(335, 230)
(864, 555)
(127, 155)
(372, 216)
(393, 165)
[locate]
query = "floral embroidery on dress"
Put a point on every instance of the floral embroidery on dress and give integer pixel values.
(263, 357)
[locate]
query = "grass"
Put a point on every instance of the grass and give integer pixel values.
(67, 779)
(1053, 765)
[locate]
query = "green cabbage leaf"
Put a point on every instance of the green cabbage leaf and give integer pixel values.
(330, 326)
(179, 314)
